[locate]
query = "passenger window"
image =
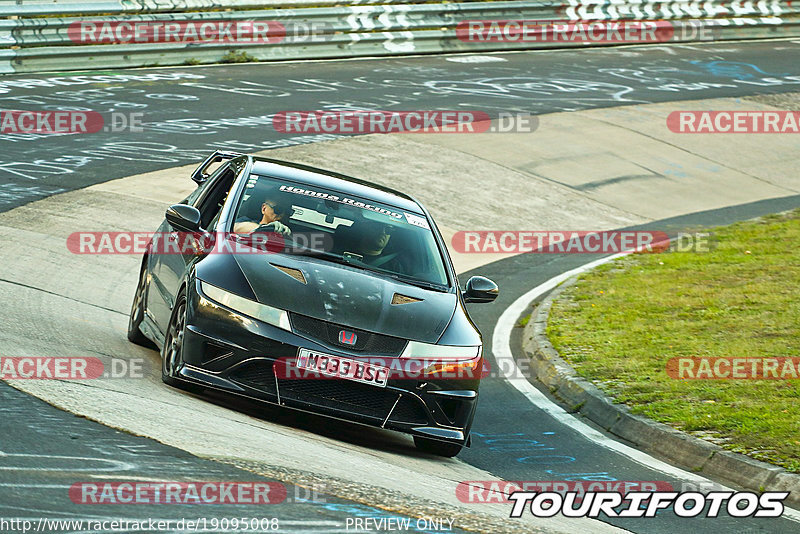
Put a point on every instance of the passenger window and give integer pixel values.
(203, 188)
(211, 204)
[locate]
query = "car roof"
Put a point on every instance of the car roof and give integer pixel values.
(313, 176)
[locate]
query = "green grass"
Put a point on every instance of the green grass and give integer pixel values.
(237, 56)
(620, 324)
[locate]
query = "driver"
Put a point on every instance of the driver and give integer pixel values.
(371, 241)
(273, 211)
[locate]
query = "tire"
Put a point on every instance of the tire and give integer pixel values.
(439, 448)
(172, 351)
(137, 314)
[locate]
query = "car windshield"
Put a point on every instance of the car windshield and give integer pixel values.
(344, 229)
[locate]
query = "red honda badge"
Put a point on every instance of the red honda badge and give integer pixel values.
(347, 338)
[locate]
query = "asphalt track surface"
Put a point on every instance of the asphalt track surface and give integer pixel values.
(188, 111)
(45, 451)
(511, 439)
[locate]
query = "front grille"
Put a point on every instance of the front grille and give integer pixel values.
(337, 394)
(343, 395)
(328, 333)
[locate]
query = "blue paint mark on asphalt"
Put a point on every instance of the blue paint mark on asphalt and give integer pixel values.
(675, 174)
(589, 477)
(733, 69)
(539, 460)
(519, 442)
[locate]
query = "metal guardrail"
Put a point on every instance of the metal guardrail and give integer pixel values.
(30, 42)
(33, 8)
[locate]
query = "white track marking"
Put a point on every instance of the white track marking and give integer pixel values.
(113, 465)
(475, 59)
(501, 348)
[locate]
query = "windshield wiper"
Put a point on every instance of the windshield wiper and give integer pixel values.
(415, 282)
(316, 253)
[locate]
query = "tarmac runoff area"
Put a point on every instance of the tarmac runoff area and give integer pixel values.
(586, 170)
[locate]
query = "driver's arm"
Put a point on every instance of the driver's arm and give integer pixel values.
(244, 227)
(249, 227)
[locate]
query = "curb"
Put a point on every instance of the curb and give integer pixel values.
(694, 454)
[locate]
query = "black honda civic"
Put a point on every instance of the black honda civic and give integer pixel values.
(315, 291)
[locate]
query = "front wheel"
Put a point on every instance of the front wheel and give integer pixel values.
(137, 314)
(439, 448)
(172, 351)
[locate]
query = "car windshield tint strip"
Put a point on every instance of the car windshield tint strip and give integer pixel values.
(342, 200)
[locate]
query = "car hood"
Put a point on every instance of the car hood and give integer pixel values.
(348, 296)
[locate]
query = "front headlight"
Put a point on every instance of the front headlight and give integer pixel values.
(444, 359)
(418, 350)
(251, 308)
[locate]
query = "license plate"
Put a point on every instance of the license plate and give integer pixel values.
(346, 368)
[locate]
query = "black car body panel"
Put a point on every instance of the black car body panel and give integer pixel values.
(243, 362)
(349, 296)
(226, 349)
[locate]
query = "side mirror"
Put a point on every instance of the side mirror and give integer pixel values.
(480, 289)
(183, 218)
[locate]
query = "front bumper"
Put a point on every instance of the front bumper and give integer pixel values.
(230, 351)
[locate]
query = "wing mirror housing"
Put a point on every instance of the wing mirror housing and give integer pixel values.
(480, 289)
(183, 218)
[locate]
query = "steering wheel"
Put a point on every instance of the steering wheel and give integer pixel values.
(269, 227)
